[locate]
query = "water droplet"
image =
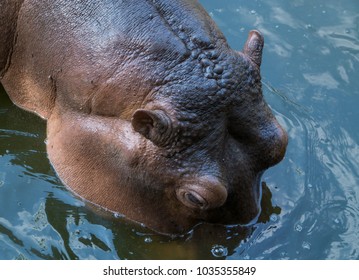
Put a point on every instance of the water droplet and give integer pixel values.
(273, 218)
(2, 178)
(309, 27)
(148, 240)
(306, 245)
(118, 215)
(253, 12)
(219, 251)
(298, 228)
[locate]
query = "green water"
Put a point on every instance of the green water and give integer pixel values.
(309, 70)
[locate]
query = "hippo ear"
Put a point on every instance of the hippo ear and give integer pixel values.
(254, 47)
(154, 125)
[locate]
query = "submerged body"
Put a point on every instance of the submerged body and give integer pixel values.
(149, 111)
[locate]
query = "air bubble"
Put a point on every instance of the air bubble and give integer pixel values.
(273, 218)
(253, 12)
(298, 228)
(219, 251)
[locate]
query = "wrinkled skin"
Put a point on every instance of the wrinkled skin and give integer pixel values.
(149, 111)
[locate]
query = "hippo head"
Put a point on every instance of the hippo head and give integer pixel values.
(151, 115)
(210, 135)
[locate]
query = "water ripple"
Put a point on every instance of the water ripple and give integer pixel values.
(9, 133)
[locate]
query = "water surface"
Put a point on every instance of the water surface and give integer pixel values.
(311, 209)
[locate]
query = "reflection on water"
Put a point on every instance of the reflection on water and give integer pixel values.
(310, 200)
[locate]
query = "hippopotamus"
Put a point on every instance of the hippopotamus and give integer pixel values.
(149, 112)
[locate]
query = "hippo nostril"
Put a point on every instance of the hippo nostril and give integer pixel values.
(281, 141)
(284, 141)
(275, 141)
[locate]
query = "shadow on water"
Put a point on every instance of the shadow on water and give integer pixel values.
(87, 234)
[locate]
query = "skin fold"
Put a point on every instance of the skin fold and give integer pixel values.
(149, 112)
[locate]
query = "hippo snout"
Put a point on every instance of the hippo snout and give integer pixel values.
(274, 140)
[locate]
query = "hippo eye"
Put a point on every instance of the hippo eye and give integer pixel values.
(192, 199)
(204, 193)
